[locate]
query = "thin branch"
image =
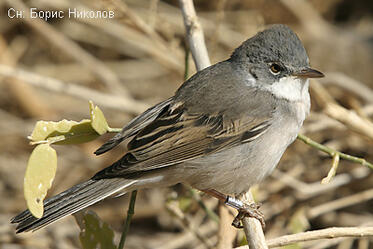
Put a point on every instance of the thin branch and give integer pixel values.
(333, 170)
(130, 213)
(253, 228)
(328, 233)
(333, 152)
(195, 35)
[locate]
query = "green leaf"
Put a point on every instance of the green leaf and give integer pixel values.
(99, 123)
(96, 233)
(71, 132)
(40, 172)
(63, 132)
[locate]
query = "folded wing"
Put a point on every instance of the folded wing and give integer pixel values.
(175, 136)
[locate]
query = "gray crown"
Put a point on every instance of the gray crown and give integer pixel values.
(275, 44)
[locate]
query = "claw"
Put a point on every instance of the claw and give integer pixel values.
(249, 210)
(244, 210)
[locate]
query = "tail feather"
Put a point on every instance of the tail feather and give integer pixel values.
(71, 201)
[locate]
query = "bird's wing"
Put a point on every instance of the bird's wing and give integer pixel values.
(175, 136)
(134, 126)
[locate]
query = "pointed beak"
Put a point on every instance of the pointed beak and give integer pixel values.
(308, 73)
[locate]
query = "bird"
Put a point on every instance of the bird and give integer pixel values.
(223, 131)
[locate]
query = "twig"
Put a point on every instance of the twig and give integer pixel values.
(328, 233)
(252, 228)
(195, 35)
(130, 213)
(107, 100)
(333, 170)
(333, 152)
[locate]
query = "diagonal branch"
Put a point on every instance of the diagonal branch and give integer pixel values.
(195, 35)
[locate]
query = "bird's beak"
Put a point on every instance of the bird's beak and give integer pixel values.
(308, 73)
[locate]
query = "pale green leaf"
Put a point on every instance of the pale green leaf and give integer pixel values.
(40, 172)
(99, 122)
(63, 132)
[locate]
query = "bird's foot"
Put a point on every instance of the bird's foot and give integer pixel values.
(244, 210)
(248, 210)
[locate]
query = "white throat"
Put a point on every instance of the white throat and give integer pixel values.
(290, 88)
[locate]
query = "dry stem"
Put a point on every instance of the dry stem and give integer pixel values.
(328, 233)
(253, 228)
(195, 35)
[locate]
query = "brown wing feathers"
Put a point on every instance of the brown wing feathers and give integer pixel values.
(175, 136)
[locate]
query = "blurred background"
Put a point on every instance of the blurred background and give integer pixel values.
(50, 69)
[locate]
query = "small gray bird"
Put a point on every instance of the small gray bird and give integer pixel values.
(225, 129)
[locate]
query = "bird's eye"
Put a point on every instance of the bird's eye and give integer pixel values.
(275, 68)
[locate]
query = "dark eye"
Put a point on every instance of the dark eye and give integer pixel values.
(275, 68)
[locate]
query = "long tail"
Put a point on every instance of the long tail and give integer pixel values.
(71, 201)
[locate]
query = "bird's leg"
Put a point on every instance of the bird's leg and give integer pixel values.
(244, 210)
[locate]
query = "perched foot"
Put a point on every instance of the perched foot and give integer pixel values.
(244, 210)
(248, 210)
